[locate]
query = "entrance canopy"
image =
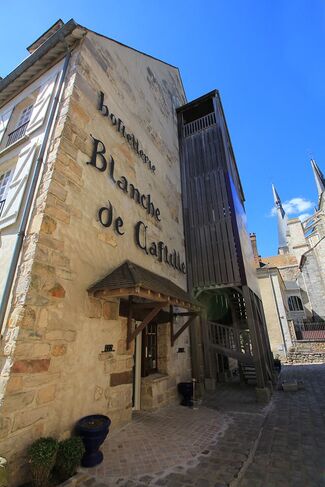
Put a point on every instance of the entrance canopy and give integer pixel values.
(145, 296)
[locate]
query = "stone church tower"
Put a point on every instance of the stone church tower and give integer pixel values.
(303, 241)
(292, 283)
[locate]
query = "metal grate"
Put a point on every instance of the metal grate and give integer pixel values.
(199, 124)
(310, 331)
(17, 134)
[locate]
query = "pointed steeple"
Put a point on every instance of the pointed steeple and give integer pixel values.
(319, 178)
(282, 221)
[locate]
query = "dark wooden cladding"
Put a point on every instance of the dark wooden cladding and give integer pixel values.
(212, 243)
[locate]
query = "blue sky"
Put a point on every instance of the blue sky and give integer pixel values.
(266, 57)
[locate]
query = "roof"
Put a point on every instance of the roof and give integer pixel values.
(47, 50)
(46, 55)
(130, 276)
(282, 260)
(46, 35)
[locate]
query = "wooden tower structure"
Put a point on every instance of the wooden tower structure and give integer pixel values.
(220, 262)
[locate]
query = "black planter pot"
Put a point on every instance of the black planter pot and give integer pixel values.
(93, 431)
(277, 365)
(186, 390)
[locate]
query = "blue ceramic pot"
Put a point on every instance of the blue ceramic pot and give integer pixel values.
(93, 430)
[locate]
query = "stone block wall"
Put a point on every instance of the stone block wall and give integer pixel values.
(313, 271)
(307, 352)
(54, 370)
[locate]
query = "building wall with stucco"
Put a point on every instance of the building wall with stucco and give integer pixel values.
(54, 367)
(274, 304)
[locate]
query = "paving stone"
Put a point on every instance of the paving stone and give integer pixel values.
(179, 447)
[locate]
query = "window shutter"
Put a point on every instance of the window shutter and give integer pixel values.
(41, 105)
(4, 119)
(17, 185)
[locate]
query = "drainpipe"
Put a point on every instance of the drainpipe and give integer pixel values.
(29, 200)
(278, 313)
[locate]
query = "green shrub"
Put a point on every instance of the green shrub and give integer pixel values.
(42, 454)
(69, 457)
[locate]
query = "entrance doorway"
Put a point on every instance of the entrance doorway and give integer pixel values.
(149, 350)
(145, 359)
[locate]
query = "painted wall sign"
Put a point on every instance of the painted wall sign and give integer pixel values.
(99, 161)
(129, 136)
(159, 250)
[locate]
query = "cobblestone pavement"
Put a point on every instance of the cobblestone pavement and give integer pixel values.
(291, 450)
(229, 441)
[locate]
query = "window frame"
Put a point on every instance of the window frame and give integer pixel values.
(5, 185)
(22, 120)
(149, 350)
(295, 303)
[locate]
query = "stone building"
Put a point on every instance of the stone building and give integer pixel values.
(92, 243)
(95, 315)
(298, 311)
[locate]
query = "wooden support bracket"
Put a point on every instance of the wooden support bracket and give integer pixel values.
(183, 328)
(150, 316)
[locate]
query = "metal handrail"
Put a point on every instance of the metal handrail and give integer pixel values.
(17, 134)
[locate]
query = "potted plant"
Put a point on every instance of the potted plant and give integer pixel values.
(69, 456)
(42, 455)
(4, 478)
(93, 430)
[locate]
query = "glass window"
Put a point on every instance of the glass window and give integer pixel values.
(4, 184)
(25, 116)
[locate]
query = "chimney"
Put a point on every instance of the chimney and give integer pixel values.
(257, 258)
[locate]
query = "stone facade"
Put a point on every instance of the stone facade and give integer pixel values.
(307, 352)
(301, 264)
(313, 278)
(54, 367)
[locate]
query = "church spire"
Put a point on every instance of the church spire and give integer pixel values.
(282, 222)
(319, 178)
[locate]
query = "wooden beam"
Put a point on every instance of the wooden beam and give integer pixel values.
(188, 313)
(183, 328)
(147, 294)
(171, 320)
(149, 305)
(150, 316)
(241, 357)
(129, 324)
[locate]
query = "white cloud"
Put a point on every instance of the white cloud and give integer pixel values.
(295, 207)
(304, 216)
